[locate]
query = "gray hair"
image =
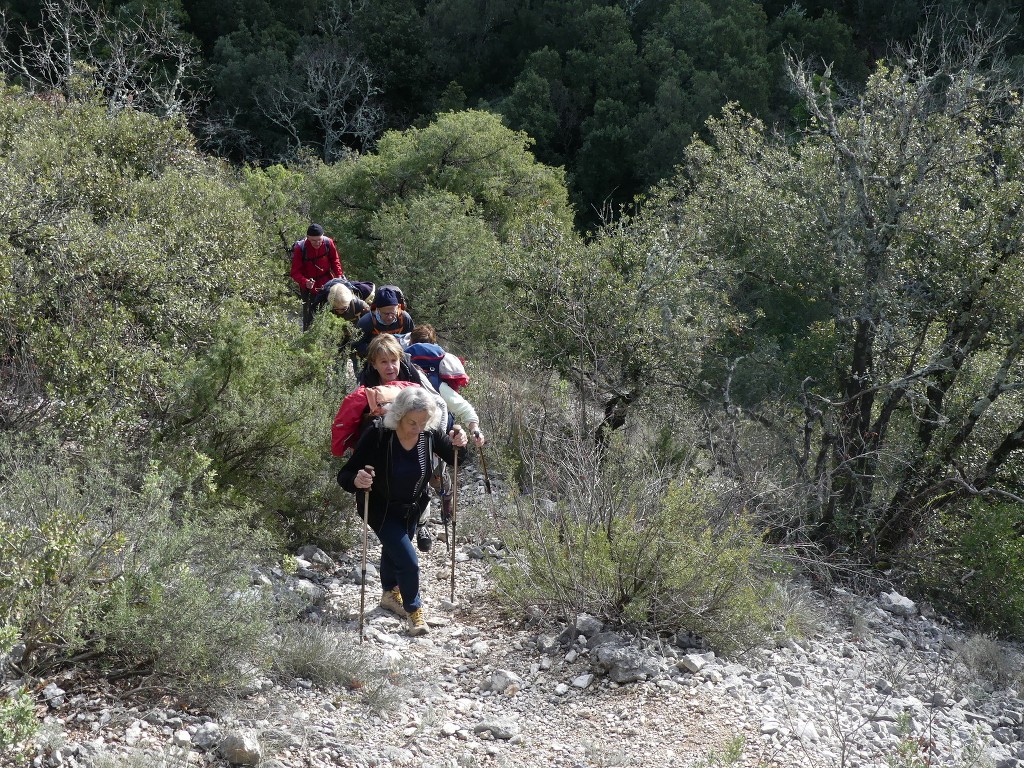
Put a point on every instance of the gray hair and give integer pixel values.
(339, 297)
(414, 399)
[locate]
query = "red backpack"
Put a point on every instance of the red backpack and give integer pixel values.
(345, 430)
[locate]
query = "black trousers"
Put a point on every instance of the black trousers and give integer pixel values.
(307, 308)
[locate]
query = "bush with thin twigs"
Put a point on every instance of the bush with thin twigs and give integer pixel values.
(187, 615)
(627, 543)
(798, 612)
(987, 659)
(328, 658)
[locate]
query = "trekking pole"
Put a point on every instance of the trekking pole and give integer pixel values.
(455, 498)
(445, 519)
(483, 466)
(487, 478)
(362, 579)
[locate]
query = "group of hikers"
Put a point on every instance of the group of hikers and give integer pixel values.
(400, 428)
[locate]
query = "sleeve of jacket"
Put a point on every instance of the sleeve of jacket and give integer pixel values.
(464, 412)
(365, 453)
(335, 258)
(297, 274)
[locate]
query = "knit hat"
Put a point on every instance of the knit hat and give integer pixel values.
(315, 230)
(385, 297)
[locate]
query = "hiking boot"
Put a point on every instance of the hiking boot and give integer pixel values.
(417, 624)
(423, 539)
(392, 601)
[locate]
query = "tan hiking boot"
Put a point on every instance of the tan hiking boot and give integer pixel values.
(417, 624)
(392, 601)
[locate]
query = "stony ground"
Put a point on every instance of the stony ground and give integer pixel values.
(875, 684)
(445, 719)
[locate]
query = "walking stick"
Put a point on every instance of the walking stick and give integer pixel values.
(362, 580)
(455, 498)
(483, 465)
(487, 478)
(444, 519)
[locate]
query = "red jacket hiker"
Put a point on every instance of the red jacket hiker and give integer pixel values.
(315, 258)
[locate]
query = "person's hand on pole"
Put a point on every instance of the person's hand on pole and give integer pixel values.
(364, 478)
(458, 436)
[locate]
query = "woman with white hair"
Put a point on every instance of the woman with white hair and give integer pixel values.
(392, 464)
(344, 302)
(341, 297)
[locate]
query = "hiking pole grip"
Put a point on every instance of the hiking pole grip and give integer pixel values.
(455, 499)
(362, 573)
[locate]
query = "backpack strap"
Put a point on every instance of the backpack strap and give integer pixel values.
(377, 329)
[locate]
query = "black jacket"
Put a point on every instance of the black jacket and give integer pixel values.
(374, 449)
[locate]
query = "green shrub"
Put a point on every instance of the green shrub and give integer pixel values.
(978, 571)
(624, 544)
(137, 240)
(104, 555)
(17, 725)
(251, 420)
(65, 524)
(186, 611)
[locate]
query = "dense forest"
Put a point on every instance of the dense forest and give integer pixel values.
(610, 91)
(739, 286)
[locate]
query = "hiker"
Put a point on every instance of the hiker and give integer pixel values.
(386, 362)
(387, 315)
(464, 412)
(315, 260)
(392, 464)
(385, 365)
(343, 297)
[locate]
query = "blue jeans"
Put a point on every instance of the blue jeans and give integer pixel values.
(399, 565)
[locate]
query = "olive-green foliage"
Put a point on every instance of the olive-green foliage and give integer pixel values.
(17, 725)
(625, 317)
(65, 534)
(185, 610)
(628, 547)
(105, 554)
(141, 292)
(444, 257)
(978, 572)
(434, 203)
(119, 244)
(883, 310)
(277, 197)
(252, 415)
(142, 323)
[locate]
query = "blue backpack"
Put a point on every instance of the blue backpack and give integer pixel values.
(427, 357)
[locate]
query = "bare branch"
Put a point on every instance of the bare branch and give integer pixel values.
(78, 51)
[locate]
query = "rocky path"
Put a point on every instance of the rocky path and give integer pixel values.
(876, 684)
